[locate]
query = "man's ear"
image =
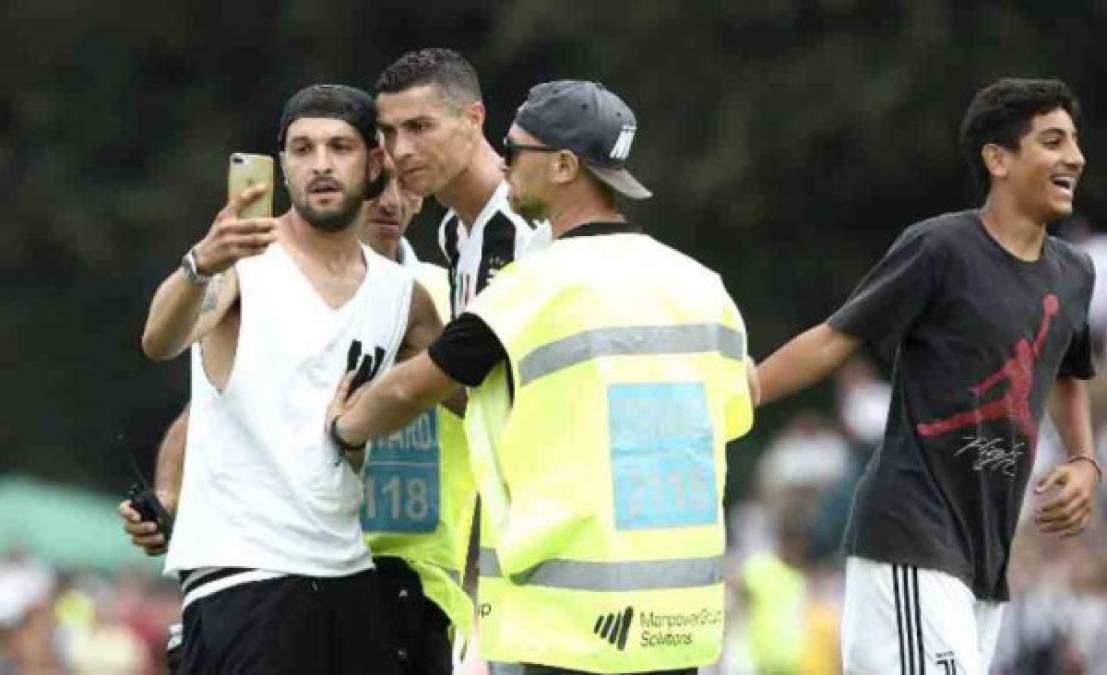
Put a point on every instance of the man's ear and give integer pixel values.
(375, 174)
(284, 173)
(996, 159)
(375, 166)
(566, 167)
(475, 113)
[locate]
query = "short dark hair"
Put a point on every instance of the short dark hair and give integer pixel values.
(1002, 113)
(452, 72)
(338, 101)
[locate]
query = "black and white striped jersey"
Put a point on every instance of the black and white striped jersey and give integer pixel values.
(497, 237)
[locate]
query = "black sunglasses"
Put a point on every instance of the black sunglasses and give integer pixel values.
(512, 150)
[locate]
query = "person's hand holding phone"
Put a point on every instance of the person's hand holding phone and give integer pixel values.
(145, 534)
(231, 237)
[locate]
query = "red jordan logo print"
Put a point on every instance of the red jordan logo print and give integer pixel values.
(1015, 403)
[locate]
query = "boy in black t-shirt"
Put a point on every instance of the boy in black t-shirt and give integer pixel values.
(988, 315)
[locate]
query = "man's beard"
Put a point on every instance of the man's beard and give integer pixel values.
(336, 219)
(530, 208)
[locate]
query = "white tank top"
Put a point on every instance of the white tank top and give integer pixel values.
(264, 486)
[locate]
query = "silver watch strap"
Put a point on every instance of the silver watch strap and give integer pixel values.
(188, 266)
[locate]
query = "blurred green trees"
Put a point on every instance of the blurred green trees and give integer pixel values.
(786, 141)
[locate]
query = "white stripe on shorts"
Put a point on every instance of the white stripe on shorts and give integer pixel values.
(202, 590)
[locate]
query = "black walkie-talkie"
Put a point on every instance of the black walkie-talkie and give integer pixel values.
(145, 501)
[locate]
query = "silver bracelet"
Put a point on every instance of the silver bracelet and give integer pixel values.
(191, 271)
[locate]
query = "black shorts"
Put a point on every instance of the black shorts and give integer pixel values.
(420, 628)
(293, 625)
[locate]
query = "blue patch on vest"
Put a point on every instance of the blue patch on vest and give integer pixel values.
(402, 479)
(662, 455)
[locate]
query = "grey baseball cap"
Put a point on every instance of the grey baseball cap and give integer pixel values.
(589, 120)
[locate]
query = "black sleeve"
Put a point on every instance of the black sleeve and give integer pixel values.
(1079, 358)
(1077, 361)
(467, 350)
(892, 295)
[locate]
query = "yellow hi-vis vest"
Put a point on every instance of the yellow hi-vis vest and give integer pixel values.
(420, 495)
(777, 605)
(602, 472)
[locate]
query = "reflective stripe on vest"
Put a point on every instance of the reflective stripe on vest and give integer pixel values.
(629, 340)
(638, 575)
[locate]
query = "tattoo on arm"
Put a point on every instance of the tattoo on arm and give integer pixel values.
(211, 295)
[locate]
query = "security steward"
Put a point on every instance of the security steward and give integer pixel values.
(608, 373)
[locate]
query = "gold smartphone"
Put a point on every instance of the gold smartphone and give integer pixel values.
(246, 170)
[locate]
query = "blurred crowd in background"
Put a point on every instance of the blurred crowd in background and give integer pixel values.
(81, 622)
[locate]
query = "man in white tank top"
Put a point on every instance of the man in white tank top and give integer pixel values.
(268, 545)
(384, 220)
(426, 647)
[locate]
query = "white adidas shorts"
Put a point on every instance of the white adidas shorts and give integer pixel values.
(901, 620)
